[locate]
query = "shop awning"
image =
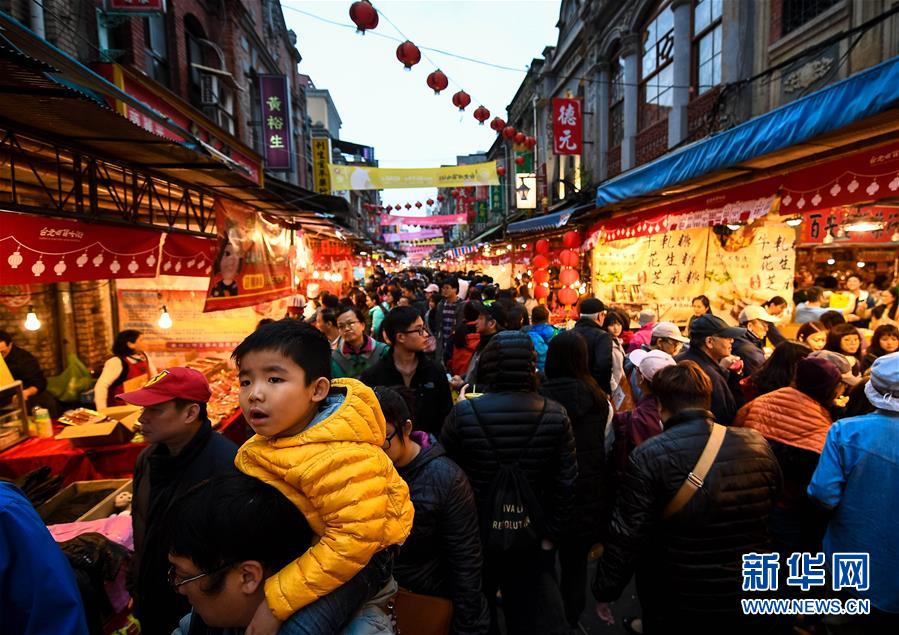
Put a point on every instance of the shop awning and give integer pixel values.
(547, 221)
(793, 126)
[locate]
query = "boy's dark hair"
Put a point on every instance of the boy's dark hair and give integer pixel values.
(120, 344)
(399, 319)
(814, 294)
(683, 387)
(329, 316)
(776, 301)
(229, 519)
(349, 306)
(393, 405)
(516, 317)
(329, 300)
(830, 319)
(539, 314)
(452, 281)
(5, 337)
(263, 322)
(302, 343)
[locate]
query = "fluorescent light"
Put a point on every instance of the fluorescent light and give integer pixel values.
(795, 221)
(864, 226)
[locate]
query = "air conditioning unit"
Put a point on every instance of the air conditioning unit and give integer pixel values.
(209, 89)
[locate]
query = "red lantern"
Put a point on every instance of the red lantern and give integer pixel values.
(567, 296)
(568, 258)
(456, 193)
(509, 132)
(481, 114)
(519, 138)
(519, 160)
(437, 81)
(540, 261)
(530, 142)
(364, 16)
(461, 100)
(497, 124)
(430, 201)
(390, 208)
(541, 276)
(441, 198)
(408, 54)
(407, 206)
(418, 204)
(541, 292)
(568, 276)
(542, 246)
(571, 239)
(500, 170)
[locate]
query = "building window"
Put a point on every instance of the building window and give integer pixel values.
(707, 44)
(157, 49)
(795, 13)
(656, 68)
(616, 102)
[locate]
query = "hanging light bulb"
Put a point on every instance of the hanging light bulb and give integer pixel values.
(795, 221)
(31, 321)
(165, 320)
(831, 261)
(733, 226)
(860, 264)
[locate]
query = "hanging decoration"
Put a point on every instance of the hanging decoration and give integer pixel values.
(571, 239)
(418, 204)
(497, 124)
(437, 81)
(481, 114)
(441, 198)
(430, 201)
(519, 160)
(509, 132)
(519, 138)
(540, 261)
(530, 142)
(408, 54)
(542, 246)
(461, 100)
(407, 206)
(184, 255)
(364, 16)
(568, 296)
(501, 170)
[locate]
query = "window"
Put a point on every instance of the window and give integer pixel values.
(157, 49)
(656, 68)
(616, 102)
(707, 44)
(795, 13)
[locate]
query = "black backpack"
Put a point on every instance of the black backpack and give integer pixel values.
(511, 517)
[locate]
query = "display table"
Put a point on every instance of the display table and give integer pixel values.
(90, 464)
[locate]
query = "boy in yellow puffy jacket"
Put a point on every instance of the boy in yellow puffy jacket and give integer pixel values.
(319, 442)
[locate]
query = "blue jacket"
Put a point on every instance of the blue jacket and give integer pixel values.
(38, 593)
(858, 478)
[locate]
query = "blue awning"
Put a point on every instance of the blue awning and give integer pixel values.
(865, 94)
(547, 221)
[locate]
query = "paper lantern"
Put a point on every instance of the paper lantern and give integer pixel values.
(461, 100)
(509, 132)
(363, 15)
(530, 142)
(519, 160)
(541, 276)
(542, 246)
(568, 258)
(497, 124)
(567, 296)
(441, 197)
(541, 292)
(430, 201)
(540, 261)
(520, 137)
(571, 239)
(481, 114)
(437, 81)
(568, 276)
(501, 171)
(408, 54)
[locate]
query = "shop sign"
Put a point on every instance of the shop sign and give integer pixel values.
(135, 8)
(253, 259)
(185, 255)
(568, 126)
(424, 234)
(321, 157)
(828, 226)
(425, 221)
(360, 177)
(276, 121)
(497, 194)
(34, 249)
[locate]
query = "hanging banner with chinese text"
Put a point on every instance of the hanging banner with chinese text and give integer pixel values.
(36, 249)
(410, 236)
(184, 255)
(275, 121)
(828, 226)
(425, 221)
(359, 177)
(321, 156)
(252, 264)
(568, 126)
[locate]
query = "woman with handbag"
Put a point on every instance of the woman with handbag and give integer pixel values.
(439, 567)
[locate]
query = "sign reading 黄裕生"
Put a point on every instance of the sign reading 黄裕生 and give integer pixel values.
(275, 121)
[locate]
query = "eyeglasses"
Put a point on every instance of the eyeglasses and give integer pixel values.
(175, 583)
(389, 438)
(346, 326)
(421, 330)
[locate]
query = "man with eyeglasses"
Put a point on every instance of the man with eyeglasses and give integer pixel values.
(356, 352)
(406, 365)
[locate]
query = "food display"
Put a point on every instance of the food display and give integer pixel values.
(13, 415)
(223, 384)
(81, 416)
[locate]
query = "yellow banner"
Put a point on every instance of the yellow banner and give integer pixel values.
(321, 158)
(351, 177)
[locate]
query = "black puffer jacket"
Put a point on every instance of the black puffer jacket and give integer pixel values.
(523, 426)
(689, 566)
(599, 352)
(724, 402)
(588, 415)
(442, 555)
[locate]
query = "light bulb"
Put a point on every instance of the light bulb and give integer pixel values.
(31, 321)
(733, 226)
(831, 261)
(165, 320)
(796, 221)
(860, 264)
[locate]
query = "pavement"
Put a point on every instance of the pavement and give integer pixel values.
(627, 606)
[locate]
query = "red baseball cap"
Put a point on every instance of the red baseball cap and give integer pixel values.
(171, 383)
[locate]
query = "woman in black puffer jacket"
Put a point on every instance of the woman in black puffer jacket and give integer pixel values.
(570, 383)
(512, 424)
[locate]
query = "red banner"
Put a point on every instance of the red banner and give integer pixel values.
(828, 226)
(34, 249)
(253, 260)
(568, 126)
(184, 255)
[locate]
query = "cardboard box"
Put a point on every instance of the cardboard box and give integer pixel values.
(102, 509)
(105, 433)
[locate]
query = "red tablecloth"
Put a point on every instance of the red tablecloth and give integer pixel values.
(90, 464)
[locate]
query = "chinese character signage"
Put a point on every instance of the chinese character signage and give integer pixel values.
(828, 226)
(135, 7)
(321, 157)
(275, 121)
(568, 126)
(357, 177)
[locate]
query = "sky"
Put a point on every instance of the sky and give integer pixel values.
(393, 110)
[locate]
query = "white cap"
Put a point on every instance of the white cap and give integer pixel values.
(432, 288)
(756, 312)
(651, 362)
(669, 330)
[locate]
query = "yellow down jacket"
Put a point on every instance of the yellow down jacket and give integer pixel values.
(338, 475)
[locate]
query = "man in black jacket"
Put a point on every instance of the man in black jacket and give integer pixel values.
(406, 365)
(24, 367)
(750, 345)
(688, 564)
(184, 450)
(599, 343)
(711, 341)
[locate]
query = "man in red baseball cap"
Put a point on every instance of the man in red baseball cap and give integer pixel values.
(183, 451)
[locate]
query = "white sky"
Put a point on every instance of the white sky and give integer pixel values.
(384, 106)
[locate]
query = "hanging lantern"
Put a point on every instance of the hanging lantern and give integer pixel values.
(437, 81)
(501, 171)
(364, 16)
(568, 276)
(542, 247)
(509, 132)
(567, 296)
(541, 292)
(541, 276)
(461, 100)
(568, 258)
(441, 198)
(519, 138)
(408, 206)
(418, 204)
(430, 201)
(481, 114)
(456, 193)
(540, 261)
(497, 124)
(389, 208)
(408, 54)
(530, 142)
(519, 160)
(571, 239)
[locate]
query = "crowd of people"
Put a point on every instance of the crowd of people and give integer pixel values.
(434, 449)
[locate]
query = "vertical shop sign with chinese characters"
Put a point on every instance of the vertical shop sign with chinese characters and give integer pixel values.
(321, 156)
(568, 126)
(275, 121)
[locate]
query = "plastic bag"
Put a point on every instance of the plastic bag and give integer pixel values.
(72, 381)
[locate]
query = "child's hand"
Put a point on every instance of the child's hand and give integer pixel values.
(264, 622)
